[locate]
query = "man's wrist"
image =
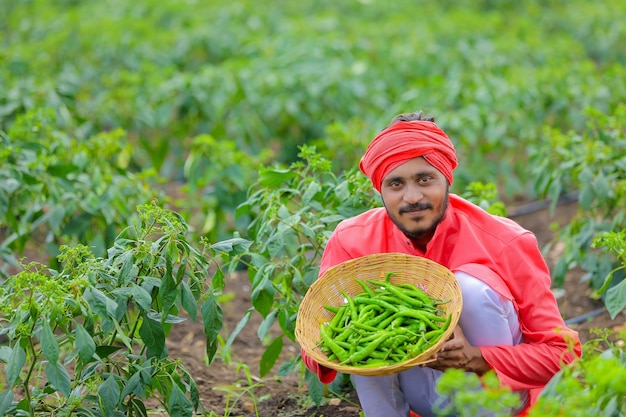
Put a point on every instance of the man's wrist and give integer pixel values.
(477, 363)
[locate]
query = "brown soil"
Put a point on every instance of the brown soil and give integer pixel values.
(225, 391)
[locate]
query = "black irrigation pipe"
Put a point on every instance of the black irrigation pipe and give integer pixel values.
(584, 317)
(539, 205)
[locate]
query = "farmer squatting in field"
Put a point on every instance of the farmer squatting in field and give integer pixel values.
(510, 322)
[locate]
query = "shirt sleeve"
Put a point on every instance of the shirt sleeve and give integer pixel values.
(334, 253)
(547, 342)
(324, 374)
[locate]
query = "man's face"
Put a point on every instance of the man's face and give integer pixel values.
(415, 195)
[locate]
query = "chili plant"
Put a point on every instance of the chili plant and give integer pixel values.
(593, 385)
(594, 164)
(59, 190)
(219, 173)
(294, 210)
(90, 338)
(614, 287)
(486, 197)
(471, 395)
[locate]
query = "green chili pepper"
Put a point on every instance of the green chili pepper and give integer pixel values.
(332, 309)
(378, 302)
(351, 306)
(415, 291)
(365, 327)
(399, 292)
(366, 288)
(417, 348)
(339, 316)
(334, 347)
(430, 316)
(366, 350)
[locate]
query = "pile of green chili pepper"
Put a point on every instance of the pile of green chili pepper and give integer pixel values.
(385, 324)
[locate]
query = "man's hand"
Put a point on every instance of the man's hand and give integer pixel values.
(457, 352)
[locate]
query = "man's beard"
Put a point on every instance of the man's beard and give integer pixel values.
(418, 234)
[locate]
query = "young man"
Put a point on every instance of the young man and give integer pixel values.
(510, 321)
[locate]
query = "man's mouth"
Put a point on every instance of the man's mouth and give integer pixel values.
(418, 208)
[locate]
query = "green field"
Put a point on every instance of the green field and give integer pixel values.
(247, 120)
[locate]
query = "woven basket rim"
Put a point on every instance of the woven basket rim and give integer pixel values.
(310, 313)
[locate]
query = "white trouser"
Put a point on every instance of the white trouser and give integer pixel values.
(414, 389)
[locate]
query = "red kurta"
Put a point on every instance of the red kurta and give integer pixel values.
(493, 249)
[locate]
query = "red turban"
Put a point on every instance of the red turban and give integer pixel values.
(403, 141)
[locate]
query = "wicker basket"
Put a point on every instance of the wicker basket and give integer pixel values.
(436, 280)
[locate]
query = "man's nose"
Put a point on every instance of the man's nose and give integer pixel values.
(413, 194)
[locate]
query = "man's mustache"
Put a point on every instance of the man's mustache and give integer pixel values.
(413, 207)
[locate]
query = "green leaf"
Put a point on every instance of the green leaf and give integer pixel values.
(615, 299)
(171, 253)
(17, 359)
(218, 281)
(127, 266)
(586, 196)
(103, 351)
(266, 324)
(100, 303)
(188, 300)
(298, 282)
(194, 394)
(262, 300)
(4, 203)
(212, 320)
(137, 408)
(333, 218)
(49, 345)
(6, 401)
(287, 324)
(141, 297)
(230, 244)
(59, 377)
(167, 291)
(109, 396)
(5, 353)
(276, 244)
(180, 273)
(269, 357)
(313, 188)
(61, 170)
(316, 388)
(55, 216)
(179, 405)
(272, 178)
(153, 335)
(135, 386)
(84, 343)
(601, 187)
(242, 323)
(283, 212)
(310, 276)
(169, 318)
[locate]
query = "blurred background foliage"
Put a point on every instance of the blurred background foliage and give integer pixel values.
(276, 75)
